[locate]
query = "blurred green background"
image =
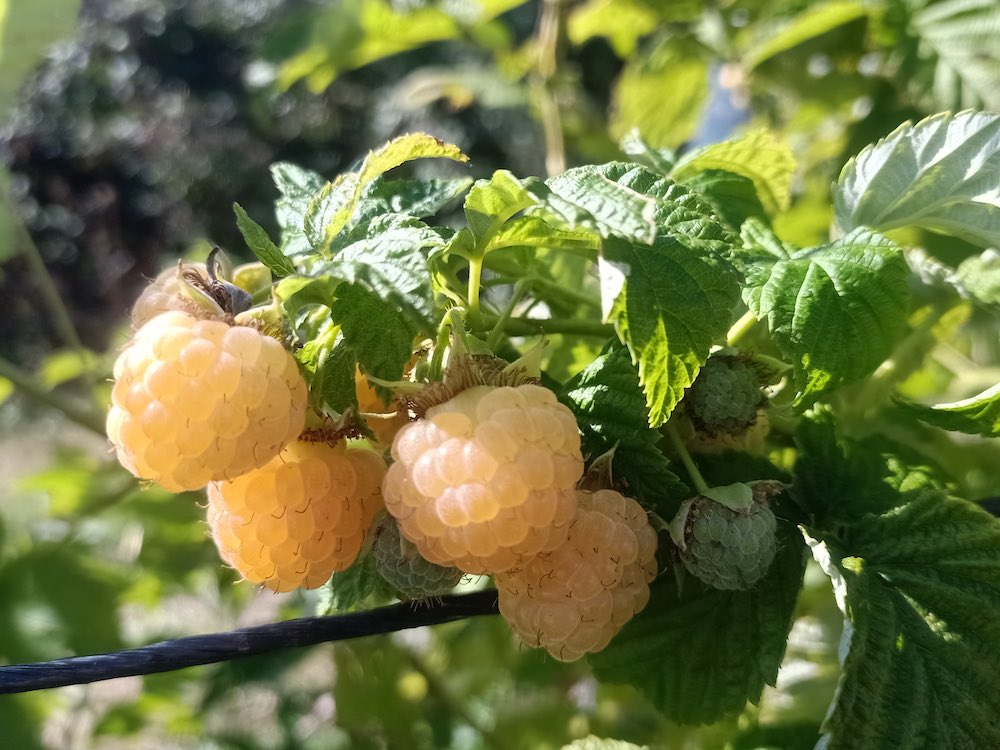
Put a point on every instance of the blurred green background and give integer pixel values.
(128, 129)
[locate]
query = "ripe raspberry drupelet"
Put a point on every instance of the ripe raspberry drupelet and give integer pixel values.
(201, 400)
(575, 598)
(162, 295)
(487, 479)
(300, 518)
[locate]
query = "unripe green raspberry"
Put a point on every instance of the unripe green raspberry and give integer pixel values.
(726, 548)
(725, 395)
(399, 562)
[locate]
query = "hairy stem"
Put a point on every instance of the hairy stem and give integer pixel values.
(28, 384)
(692, 469)
(536, 326)
(210, 649)
(498, 328)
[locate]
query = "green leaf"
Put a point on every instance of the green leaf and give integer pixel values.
(406, 148)
(417, 198)
(622, 22)
(356, 588)
(611, 410)
(490, 203)
(329, 211)
(261, 245)
(597, 743)
(378, 332)
(657, 160)
(939, 174)
(976, 415)
(388, 256)
(298, 187)
(329, 364)
(671, 300)
(918, 587)
(639, 102)
(733, 197)
(818, 19)
(532, 231)
(836, 311)
(760, 156)
(979, 277)
(586, 198)
(701, 655)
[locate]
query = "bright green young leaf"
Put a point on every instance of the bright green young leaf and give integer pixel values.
(490, 203)
(939, 174)
(585, 198)
(532, 231)
(407, 148)
(961, 41)
(979, 277)
(918, 585)
(418, 198)
(610, 408)
(378, 333)
(622, 22)
(330, 210)
(597, 743)
(669, 301)
(976, 415)
(836, 311)
(261, 245)
(760, 156)
(662, 95)
(818, 19)
(702, 654)
(389, 257)
(298, 187)
(354, 588)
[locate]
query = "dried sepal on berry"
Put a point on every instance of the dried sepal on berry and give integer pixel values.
(487, 479)
(573, 599)
(201, 400)
(300, 518)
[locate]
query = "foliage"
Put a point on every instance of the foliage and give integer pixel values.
(869, 311)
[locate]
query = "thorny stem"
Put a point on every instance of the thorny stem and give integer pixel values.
(444, 695)
(29, 386)
(547, 34)
(696, 478)
(498, 328)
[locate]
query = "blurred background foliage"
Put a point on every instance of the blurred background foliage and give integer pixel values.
(130, 127)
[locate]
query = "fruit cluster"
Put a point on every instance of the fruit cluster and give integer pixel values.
(486, 474)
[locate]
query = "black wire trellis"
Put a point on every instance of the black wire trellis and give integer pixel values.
(209, 649)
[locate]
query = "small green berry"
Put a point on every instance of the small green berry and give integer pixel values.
(725, 395)
(411, 576)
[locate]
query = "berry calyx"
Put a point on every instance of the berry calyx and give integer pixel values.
(487, 479)
(728, 540)
(196, 401)
(301, 517)
(725, 395)
(573, 599)
(399, 562)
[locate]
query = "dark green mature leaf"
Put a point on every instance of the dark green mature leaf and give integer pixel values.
(939, 174)
(976, 415)
(261, 245)
(702, 655)
(836, 311)
(671, 300)
(611, 411)
(733, 197)
(919, 586)
(418, 198)
(378, 332)
(389, 257)
(298, 187)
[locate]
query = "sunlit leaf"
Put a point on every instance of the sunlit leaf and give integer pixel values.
(976, 415)
(816, 20)
(261, 245)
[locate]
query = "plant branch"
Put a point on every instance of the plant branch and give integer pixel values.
(536, 326)
(547, 38)
(27, 384)
(209, 649)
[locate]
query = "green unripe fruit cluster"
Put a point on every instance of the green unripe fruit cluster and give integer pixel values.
(725, 395)
(399, 562)
(728, 549)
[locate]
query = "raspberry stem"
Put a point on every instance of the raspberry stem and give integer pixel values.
(696, 478)
(498, 328)
(475, 280)
(741, 328)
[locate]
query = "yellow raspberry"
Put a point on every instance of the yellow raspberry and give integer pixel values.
(574, 599)
(162, 295)
(300, 518)
(201, 400)
(487, 479)
(369, 401)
